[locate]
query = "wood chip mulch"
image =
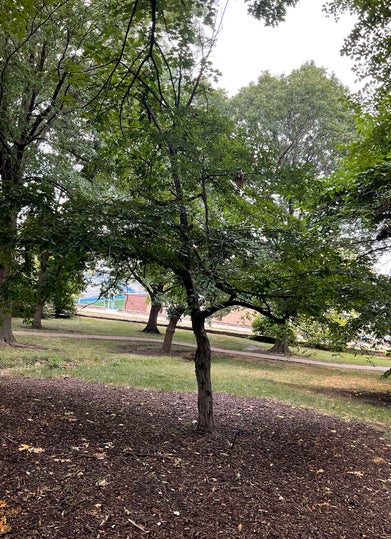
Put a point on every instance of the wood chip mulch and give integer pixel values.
(82, 460)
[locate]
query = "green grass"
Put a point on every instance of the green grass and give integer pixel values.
(354, 394)
(95, 326)
(359, 357)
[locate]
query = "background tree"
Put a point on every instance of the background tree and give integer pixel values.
(298, 126)
(56, 246)
(42, 72)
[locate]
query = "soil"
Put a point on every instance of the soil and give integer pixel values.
(82, 460)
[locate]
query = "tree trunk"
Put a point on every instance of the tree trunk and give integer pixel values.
(169, 334)
(280, 347)
(40, 303)
(6, 334)
(202, 369)
(38, 314)
(151, 326)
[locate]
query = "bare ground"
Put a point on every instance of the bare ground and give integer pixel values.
(81, 460)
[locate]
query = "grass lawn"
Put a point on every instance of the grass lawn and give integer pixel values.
(353, 394)
(96, 326)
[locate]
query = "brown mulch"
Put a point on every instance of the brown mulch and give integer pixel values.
(81, 460)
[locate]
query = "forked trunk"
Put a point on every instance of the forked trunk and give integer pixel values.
(169, 334)
(202, 368)
(280, 347)
(151, 326)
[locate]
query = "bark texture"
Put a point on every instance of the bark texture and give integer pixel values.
(202, 360)
(169, 334)
(6, 334)
(280, 347)
(151, 326)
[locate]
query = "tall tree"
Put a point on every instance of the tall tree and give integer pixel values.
(42, 72)
(361, 187)
(191, 199)
(298, 125)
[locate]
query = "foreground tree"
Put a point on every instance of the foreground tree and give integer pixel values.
(191, 199)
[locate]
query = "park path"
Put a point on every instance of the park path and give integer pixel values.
(249, 354)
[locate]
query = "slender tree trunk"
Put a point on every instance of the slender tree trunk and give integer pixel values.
(280, 347)
(40, 303)
(169, 334)
(174, 313)
(38, 314)
(151, 326)
(6, 334)
(202, 369)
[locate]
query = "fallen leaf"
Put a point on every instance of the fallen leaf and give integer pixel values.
(4, 527)
(30, 449)
(36, 450)
(101, 483)
(24, 447)
(240, 527)
(379, 460)
(357, 473)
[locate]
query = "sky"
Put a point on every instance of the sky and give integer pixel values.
(246, 47)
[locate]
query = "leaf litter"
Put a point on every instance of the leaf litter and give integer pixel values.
(271, 471)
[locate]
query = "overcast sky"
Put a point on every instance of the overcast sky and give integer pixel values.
(245, 47)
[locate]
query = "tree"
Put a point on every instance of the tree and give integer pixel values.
(54, 247)
(42, 73)
(189, 198)
(184, 154)
(298, 126)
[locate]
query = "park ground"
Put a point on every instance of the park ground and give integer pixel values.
(83, 459)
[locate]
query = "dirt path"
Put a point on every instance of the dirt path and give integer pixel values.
(250, 354)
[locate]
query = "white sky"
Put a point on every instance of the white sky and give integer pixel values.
(246, 47)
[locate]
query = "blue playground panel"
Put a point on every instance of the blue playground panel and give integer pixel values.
(100, 301)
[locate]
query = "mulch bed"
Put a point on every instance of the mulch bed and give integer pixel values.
(81, 460)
